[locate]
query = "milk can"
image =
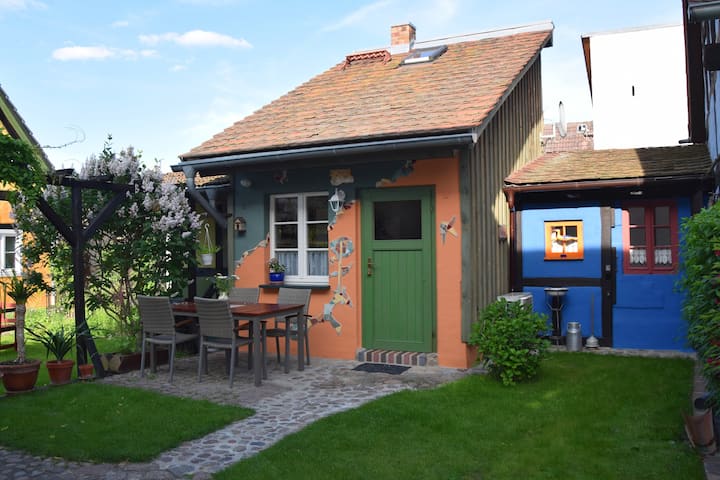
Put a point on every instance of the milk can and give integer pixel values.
(573, 339)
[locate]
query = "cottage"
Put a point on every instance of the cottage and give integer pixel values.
(378, 183)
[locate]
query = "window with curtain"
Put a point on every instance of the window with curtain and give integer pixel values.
(9, 258)
(650, 237)
(299, 236)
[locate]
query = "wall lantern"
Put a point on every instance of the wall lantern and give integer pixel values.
(240, 224)
(337, 200)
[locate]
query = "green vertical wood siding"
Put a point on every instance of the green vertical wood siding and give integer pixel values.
(509, 140)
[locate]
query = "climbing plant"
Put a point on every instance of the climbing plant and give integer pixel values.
(146, 247)
(21, 168)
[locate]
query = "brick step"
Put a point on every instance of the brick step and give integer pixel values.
(393, 357)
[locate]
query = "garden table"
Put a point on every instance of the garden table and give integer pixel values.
(256, 314)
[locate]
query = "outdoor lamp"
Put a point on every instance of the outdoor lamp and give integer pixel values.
(240, 224)
(337, 200)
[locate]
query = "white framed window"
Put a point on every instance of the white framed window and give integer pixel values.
(299, 236)
(9, 253)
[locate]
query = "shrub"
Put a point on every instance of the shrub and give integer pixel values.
(700, 284)
(509, 336)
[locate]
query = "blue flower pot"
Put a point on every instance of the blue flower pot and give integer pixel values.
(277, 277)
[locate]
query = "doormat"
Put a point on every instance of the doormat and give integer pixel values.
(381, 368)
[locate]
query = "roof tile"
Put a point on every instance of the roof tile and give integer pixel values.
(614, 164)
(372, 98)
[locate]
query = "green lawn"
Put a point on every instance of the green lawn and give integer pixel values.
(586, 417)
(105, 423)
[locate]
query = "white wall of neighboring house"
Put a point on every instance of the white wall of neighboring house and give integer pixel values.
(639, 90)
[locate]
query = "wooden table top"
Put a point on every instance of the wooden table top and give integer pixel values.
(245, 309)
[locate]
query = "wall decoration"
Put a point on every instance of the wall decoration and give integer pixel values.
(281, 177)
(404, 171)
(340, 176)
(447, 227)
(564, 240)
(262, 244)
(339, 248)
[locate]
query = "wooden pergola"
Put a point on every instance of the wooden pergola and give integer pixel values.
(78, 236)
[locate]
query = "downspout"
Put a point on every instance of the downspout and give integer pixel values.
(512, 261)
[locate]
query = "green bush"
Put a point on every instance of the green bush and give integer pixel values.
(509, 336)
(700, 284)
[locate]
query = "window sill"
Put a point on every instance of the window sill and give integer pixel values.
(311, 286)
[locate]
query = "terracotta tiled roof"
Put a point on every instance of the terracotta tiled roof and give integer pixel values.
(371, 98)
(617, 164)
(579, 137)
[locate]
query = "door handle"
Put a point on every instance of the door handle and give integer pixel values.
(370, 267)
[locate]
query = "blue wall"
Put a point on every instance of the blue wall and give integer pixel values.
(647, 313)
(648, 309)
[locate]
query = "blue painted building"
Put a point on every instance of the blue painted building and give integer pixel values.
(605, 224)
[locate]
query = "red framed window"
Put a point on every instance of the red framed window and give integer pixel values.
(650, 237)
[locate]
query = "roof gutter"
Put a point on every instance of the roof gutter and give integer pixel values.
(324, 151)
(699, 12)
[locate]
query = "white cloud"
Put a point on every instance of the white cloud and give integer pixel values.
(21, 4)
(196, 38)
(357, 16)
(99, 53)
(178, 68)
(120, 24)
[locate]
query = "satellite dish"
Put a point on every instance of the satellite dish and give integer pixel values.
(562, 124)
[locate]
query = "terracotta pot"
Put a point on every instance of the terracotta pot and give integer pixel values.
(20, 378)
(60, 371)
(86, 371)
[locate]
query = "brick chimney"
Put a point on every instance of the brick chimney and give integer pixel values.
(402, 38)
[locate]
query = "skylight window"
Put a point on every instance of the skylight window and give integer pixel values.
(423, 55)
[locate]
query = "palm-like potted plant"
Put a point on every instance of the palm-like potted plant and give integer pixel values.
(58, 342)
(20, 375)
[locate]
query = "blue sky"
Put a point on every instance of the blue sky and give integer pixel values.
(166, 75)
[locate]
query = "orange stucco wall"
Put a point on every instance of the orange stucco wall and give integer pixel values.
(344, 341)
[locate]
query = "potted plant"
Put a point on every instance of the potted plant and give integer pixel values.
(277, 270)
(224, 283)
(206, 248)
(20, 375)
(58, 342)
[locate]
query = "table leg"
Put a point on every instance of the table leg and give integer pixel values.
(302, 323)
(287, 345)
(258, 361)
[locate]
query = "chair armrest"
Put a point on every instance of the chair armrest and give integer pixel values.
(294, 315)
(182, 323)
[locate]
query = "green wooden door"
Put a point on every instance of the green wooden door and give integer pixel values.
(398, 259)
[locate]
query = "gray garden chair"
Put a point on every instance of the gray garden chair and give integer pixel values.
(158, 328)
(246, 295)
(280, 329)
(217, 330)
